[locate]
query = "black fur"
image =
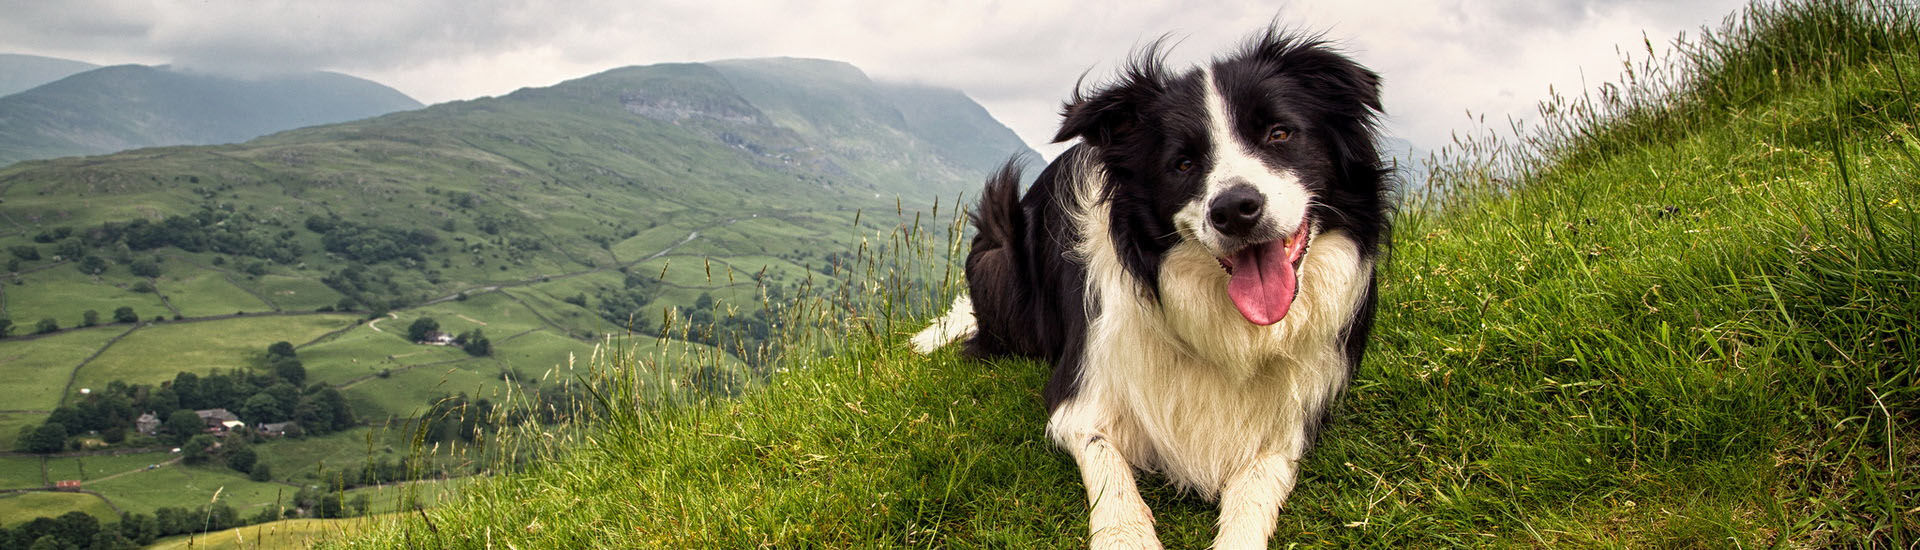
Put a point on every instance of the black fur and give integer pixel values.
(1027, 287)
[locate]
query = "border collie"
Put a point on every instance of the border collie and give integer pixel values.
(1199, 270)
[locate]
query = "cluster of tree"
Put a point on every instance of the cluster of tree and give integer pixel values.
(212, 228)
(370, 288)
(368, 243)
(88, 318)
(80, 530)
(474, 342)
(272, 394)
(627, 306)
(328, 503)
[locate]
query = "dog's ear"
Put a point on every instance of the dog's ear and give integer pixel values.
(1111, 112)
(1349, 89)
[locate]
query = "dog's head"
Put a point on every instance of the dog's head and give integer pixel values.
(1250, 156)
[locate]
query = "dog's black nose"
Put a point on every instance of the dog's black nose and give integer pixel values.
(1235, 212)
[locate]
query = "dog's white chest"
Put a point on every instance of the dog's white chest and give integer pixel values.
(1188, 388)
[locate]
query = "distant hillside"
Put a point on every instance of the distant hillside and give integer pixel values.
(22, 72)
(587, 207)
(130, 106)
(692, 202)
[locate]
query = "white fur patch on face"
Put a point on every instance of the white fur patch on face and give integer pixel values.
(1233, 164)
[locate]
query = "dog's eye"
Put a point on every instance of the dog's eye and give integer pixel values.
(1278, 134)
(1183, 165)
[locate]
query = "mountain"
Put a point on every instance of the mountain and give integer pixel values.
(22, 72)
(129, 106)
(1406, 160)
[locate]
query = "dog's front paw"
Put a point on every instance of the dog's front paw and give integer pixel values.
(1125, 537)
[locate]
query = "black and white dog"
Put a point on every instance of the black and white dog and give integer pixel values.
(1199, 271)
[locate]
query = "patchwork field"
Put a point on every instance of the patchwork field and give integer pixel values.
(154, 353)
(37, 370)
(17, 508)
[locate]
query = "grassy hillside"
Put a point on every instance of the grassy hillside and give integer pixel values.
(129, 106)
(652, 199)
(1680, 319)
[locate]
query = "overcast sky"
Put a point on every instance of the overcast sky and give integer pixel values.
(1440, 58)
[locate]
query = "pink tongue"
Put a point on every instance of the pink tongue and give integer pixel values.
(1263, 283)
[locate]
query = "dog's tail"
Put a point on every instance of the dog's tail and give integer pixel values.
(999, 217)
(1000, 221)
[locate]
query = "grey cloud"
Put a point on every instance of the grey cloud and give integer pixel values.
(1020, 59)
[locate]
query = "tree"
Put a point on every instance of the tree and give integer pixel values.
(198, 449)
(289, 369)
(139, 528)
(6, 327)
(145, 267)
(418, 331)
(280, 349)
(76, 527)
(218, 391)
(48, 438)
(89, 318)
(262, 472)
(476, 343)
(243, 460)
(172, 521)
(186, 386)
(25, 252)
(263, 408)
(46, 326)
(183, 424)
(93, 265)
(125, 314)
(336, 404)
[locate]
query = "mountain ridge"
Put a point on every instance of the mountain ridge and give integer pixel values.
(122, 107)
(21, 72)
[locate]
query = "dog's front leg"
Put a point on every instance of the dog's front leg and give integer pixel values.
(1117, 517)
(1250, 505)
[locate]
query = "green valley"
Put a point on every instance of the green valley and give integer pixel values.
(527, 229)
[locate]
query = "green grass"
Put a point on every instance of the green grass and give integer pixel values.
(303, 460)
(286, 533)
(202, 293)
(190, 486)
(1689, 329)
(403, 497)
(21, 471)
(17, 508)
(362, 352)
(155, 353)
(407, 393)
(296, 293)
(38, 369)
(64, 295)
(92, 468)
(10, 424)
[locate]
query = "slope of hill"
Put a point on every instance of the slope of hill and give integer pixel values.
(653, 198)
(19, 72)
(1690, 326)
(129, 106)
